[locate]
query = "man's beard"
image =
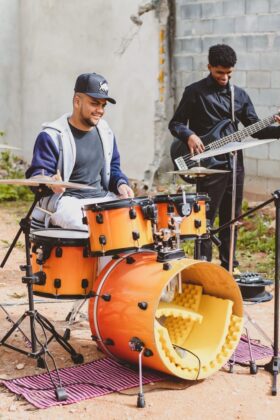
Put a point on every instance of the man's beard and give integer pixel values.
(89, 122)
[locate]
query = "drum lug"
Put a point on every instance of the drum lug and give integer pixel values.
(86, 252)
(196, 207)
(148, 353)
(132, 213)
(84, 284)
(115, 257)
(170, 208)
(99, 218)
(135, 235)
(143, 305)
(58, 252)
(102, 240)
(106, 297)
(130, 260)
(166, 266)
(197, 223)
(57, 283)
(84, 220)
(108, 342)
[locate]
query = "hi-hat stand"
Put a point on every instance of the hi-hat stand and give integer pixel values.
(34, 316)
(274, 365)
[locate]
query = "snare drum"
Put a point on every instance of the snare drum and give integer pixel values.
(61, 260)
(193, 212)
(120, 225)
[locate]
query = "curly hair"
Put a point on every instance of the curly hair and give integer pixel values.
(222, 55)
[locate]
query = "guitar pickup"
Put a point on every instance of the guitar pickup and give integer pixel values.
(181, 164)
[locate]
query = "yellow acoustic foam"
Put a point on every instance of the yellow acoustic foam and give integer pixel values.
(170, 309)
(189, 299)
(212, 341)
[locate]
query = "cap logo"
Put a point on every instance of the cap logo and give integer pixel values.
(103, 86)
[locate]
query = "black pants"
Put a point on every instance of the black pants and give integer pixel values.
(219, 189)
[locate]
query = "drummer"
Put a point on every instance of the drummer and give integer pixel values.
(78, 147)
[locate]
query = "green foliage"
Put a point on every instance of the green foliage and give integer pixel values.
(12, 167)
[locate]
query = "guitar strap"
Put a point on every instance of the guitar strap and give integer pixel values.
(229, 156)
(232, 103)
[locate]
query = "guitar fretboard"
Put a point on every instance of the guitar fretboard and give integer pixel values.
(242, 134)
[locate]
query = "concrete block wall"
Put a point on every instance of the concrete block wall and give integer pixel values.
(252, 28)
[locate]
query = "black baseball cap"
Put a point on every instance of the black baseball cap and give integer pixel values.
(94, 85)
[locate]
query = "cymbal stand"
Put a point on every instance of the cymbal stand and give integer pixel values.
(35, 317)
(274, 365)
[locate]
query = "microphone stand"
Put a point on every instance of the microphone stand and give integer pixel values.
(34, 316)
(274, 365)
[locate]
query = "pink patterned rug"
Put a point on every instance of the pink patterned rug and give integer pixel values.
(102, 377)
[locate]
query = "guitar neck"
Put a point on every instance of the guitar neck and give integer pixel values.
(242, 134)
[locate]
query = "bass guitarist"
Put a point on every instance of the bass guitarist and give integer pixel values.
(204, 105)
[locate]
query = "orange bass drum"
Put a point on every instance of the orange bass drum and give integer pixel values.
(187, 313)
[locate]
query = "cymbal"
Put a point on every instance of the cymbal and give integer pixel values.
(6, 146)
(198, 171)
(231, 147)
(45, 180)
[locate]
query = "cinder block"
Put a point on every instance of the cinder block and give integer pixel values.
(251, 167)
(268, 23)
(249, 61)
(254, 95)
(200, 62)
(257, 152)
(255, 185)
(208, 41)
(269, 168)
(269, 97)
(187, 78)
(191, 45)
(198, 27)
(239, 78)
(276, 42)
(274, 150)
(246, 24)
(254, 7)
(257, 42)
(258, 79)
(238, 43)
(224, 25)
(270, 61)
(263, 111)
(274, 5)
(236, 9)
(275, 79)
(210, 10)
(183, 63)
(191, 11)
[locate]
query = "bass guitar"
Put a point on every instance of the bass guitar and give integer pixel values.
(216, 138)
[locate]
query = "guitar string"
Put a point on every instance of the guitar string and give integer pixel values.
(237, 136)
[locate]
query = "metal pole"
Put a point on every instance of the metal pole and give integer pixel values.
(233, 205)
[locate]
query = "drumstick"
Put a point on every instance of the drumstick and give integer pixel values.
(44, 211)
(58, 176)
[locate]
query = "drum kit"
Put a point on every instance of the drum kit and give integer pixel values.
(151, 304)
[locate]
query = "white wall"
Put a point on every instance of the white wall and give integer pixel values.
(10, 95)
(59, 39)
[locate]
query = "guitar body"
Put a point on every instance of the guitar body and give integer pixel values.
(178, 148)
